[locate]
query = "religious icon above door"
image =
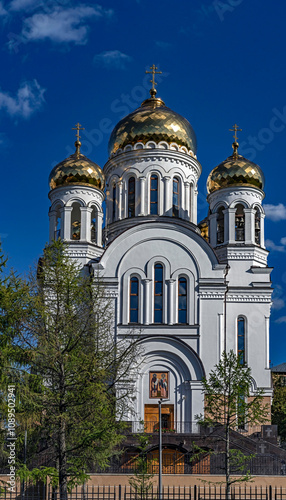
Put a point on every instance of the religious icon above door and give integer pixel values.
(159, 385)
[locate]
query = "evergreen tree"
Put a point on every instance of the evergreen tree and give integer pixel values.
(278, 409)
(75, 365)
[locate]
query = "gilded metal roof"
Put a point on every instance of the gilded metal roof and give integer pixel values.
(77, 169)
(235, 171)
(153, 121)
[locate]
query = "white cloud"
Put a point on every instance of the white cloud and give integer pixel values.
(3, 11)
(283, 241)
(275, 212)
(17, 5)
(278, 304)
(62, 25)
(112, 59)
(28, 100)
(272, 246)
(281, 320)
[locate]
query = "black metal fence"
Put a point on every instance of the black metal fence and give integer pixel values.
(197, 492)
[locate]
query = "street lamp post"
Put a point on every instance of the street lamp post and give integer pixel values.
(160, 449)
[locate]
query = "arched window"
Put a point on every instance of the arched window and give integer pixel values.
(154, 194)
(75, 221)
(257, 227)
(239, 223)
(131, 197)
(93, 226)
(182, 300)
(134, 300)
(158, 293)
(220, 226)
(57, 232)
(241, 339)
(176, 197)
(113, 202)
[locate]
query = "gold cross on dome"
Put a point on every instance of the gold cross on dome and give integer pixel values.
(153, 72)
(235, 129)
(78, 127)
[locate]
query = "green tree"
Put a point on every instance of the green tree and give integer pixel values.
(230, 403)
(75, 366)
(278, 409)
(142, 479)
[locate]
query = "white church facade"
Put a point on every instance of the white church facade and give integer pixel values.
(193, 290)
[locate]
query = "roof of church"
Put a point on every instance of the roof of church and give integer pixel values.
(279, 368)
(153, 121)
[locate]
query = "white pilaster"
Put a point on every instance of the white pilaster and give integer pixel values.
(142, 207)
(99, 218)
(66, 222)
(231, 225)
(194, 205)
(171, 319)
(262, 242)
(85, 226)
(249, 226)
(167, 196)
(147, 301)
(213, 229)
(187, 201)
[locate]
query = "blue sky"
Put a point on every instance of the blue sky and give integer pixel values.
(62, 61)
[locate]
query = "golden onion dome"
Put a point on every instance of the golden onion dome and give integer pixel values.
(235, 171)
(153, 121)
(77, 169)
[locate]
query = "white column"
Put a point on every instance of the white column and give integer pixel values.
(53, 224)
(99, 218)
(267, 341)
(66, 223)
(226, 226)
(262, 242)
(221, 333)
(187, 201)
(167, 196)
(119, 199)
(171, 301)
(249, 214)
(231, 225)
(194, 205)
(85, 223)
(213, 229)
(147, 301)
(142, 208)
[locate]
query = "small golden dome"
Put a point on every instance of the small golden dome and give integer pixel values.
(77, 169)
(153, 121)
(235, 171)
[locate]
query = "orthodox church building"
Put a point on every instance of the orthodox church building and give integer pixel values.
(192, 289)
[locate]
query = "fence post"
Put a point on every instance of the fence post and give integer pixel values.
(195, 492)
(270, 492)
(119, 492)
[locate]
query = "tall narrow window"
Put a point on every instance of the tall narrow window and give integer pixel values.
(182, 300)
(113, 202)
(158, 293)
(154, 194)
(131, 197)
(239, 223)
(257, 227)
(176, 196)
(134, 299)
(57, 233)
(220, 226)
(75, 221)
(241, 339)
(93, 226)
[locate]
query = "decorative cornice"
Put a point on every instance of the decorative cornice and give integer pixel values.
(151, 155)
(217, 295)
(58, 193)
(224, 193)
(249, 297)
